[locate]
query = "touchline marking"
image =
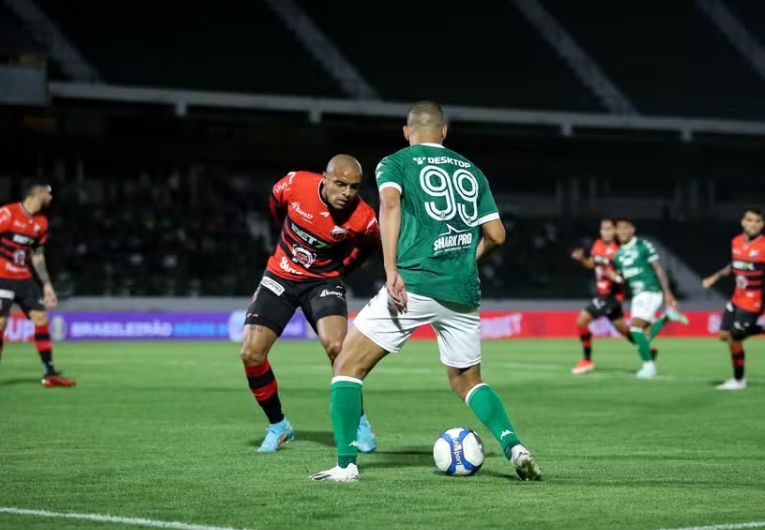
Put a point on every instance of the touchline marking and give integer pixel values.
(753, 524)
(135, 521)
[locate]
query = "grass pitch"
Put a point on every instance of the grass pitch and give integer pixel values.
(169, 431)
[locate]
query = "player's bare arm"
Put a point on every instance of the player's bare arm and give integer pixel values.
(661, 275)
(390, 227)
(38, 262)
(492, 237)
(588, 262)
(709, 281)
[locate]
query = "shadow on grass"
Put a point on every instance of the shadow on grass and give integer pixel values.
(325, 438)
(21, 381)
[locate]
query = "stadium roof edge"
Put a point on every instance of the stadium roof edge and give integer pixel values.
(182, 99)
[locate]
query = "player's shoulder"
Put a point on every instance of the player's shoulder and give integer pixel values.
(737, 240)
(395, 157)
(363, 214)
(646, 245)
(302, 177)
(41, 220)
(297, 180)
(11, 207)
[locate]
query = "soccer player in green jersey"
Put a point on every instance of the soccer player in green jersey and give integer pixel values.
(637, 264)
(438, 219)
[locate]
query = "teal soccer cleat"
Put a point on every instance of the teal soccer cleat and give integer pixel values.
(676, 316)
(276, 435)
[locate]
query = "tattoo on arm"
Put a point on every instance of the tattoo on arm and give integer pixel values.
(38, 262)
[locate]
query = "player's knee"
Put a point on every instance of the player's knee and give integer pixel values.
(347, 366)
(251, 354)
(333, 348)
(3, 323)
(39, 318)
(724, 336)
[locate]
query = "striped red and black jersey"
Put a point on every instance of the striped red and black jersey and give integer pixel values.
(20, 233)
(603, 254)
(318, 241)
(747, 266)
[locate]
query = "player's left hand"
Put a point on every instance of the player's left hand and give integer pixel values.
(397, 292)
(50, 300)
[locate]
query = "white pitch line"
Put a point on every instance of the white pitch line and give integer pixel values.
(734, 526)
(135, 521)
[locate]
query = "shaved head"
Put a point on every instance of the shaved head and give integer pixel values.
(342, 179)
(425, 123)
(345, 165)
(425, 115)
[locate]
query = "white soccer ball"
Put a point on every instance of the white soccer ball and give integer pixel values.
(458, 451)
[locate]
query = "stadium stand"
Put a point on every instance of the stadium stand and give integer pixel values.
(14, 40)
(504, 62)
(667, 57)
(241, 48)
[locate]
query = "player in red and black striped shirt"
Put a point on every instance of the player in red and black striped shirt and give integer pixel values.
(327, 231)
(747, 303)
(23, 234)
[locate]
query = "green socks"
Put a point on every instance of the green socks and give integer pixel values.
(345, 410)
(656, 328)
(488, 407)
(641, 341)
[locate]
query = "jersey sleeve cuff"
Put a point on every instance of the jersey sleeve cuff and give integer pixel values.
(652, 259)
(390, 185)
(488, 217)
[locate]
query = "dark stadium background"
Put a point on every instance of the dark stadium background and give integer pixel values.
(154, 199)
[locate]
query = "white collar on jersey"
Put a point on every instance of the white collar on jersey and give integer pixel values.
(432, 144)
(631, 242)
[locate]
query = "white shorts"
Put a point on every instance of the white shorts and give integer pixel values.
(645, 305)
(458, 329)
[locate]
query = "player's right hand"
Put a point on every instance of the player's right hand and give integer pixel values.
(577, 254)
(396, 292)
(50, 299)
(709, 281)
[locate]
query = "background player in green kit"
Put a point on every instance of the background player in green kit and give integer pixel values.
(637, 264)
(437, 220)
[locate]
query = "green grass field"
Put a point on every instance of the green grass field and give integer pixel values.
(169, 431)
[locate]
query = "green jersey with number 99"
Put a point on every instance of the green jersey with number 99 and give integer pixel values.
(444, 200)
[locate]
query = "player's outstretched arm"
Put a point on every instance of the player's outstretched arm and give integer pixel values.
(50, 299)
(493, 236)
(661, 275)
(390, 228)
(588, 262)
(709, 281)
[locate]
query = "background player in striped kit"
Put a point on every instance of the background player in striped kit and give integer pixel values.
(23, 234)
(746, 305)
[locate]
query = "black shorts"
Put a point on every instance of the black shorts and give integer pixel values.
(739, 323)
(605, 306)
(26, 293)
(276, 299)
